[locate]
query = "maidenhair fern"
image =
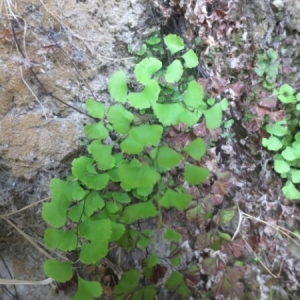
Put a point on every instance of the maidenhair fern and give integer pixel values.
(115, 185)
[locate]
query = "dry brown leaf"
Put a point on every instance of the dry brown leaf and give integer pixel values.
(107, 291)
(158, 272)
(234, 248)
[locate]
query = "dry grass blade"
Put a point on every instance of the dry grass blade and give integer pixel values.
(27, 237)
(25, 207)
(25, 282)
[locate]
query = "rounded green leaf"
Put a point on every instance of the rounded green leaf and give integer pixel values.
(146, 292)
(97, 181)
(112, 207)
(121, 197)
(145, 69)
(120, 118)
(272, 143)
(62, 192)
(195, 175)
(94, 108)
(168, 114)
(173, 199)
(93, 203)
(137, 175)
(224, 104)
(91, 253)
(174, 71)
(196, 149)
(165, 157)
(172, 235)
(102, 154)
(117, 231)
(127, 285)
(92, 229)
(193, 95)
(147, 97)
(290, 191)
(140, 137)
(279, 128)
(131, 146)
(54, 214)
(191, 59)
(174, 281)
(213, 116)
(58, 270)
(138, 211)
(83, 166)
(75, 213)
(295, 175)
(190, 118)
(117, 86)
(285, 94)
(147, 135)
(96, 131)
(174, 43)
(60, 239)
(281, 166)
(289, 153)
(87, 290)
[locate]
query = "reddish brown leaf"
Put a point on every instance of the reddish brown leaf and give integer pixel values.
(254, 124)
(235, 273)
(7, 36)
(219, 84)
(181, 140)
(193, 191)
(253, 242)
(106, 280)
(261, 111)
(204, 82)
(228, 289)
(277, 115)
(158, 272)
(216, 199)
(192, 279)
(201, 129)
(107, 291)
(234, 248)
(181, 127)
(221, 13)
(221, 187)
(268, 102)
(238, 88)
(210, 265)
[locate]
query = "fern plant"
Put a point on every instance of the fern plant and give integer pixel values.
(119, 183)
(285, 141)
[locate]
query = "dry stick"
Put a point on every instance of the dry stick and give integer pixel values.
(25, 282)
(25, 207)
(31, 91)
(27, 237)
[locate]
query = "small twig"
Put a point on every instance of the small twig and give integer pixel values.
(27, 237)
(26, 282)
(25, 207)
